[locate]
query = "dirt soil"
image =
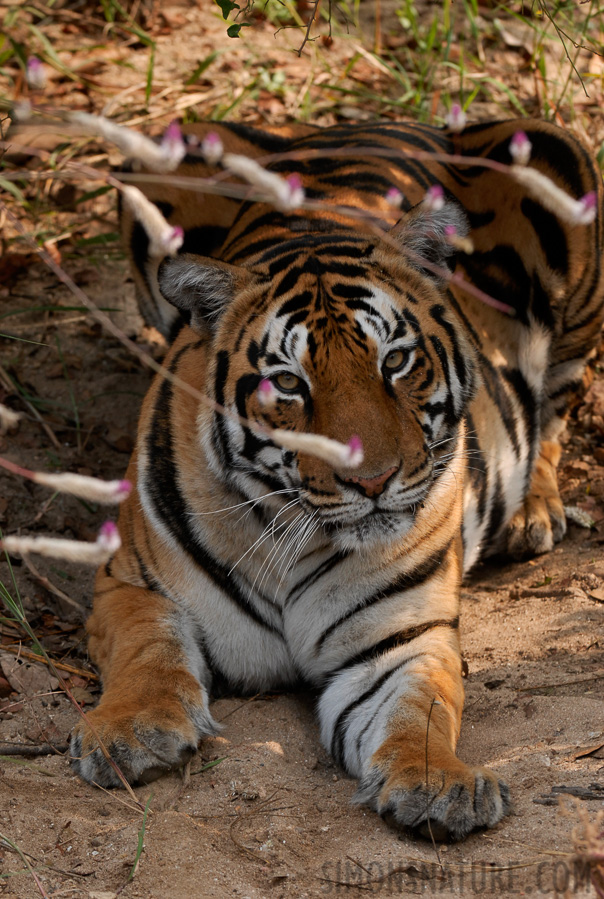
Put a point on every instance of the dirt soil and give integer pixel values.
(263, 811)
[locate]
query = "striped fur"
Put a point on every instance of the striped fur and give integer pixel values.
(246, 567)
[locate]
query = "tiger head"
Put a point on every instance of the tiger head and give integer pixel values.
(357, 337)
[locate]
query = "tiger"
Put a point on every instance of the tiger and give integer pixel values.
(246, 567)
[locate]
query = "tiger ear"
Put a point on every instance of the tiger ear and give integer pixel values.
(200, 287)
(422, 233)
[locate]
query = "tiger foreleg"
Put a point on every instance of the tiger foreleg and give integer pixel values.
(154, 708)
(540, 522)
(397, 732)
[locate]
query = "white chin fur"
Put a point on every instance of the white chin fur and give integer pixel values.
(372, 531)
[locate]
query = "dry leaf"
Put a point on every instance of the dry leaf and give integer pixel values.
(82, 696)
(587, 751)
(27, 678)
(53, 251)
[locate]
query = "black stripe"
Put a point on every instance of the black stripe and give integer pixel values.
(376, 712)
(408, 580)
(395, 641)
(550, 232)
(139, 248)
(477, 470)
(461, 365)
(162, 485)
(150, 582)
(309, 581)
(497, 516)
(337, 740)
(443, 357)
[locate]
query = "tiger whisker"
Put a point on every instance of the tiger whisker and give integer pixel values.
(297, 543)
(268, 561)
(252, 502)
(268, 531)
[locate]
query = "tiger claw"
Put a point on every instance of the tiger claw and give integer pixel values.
(138, 748)
(449, 807)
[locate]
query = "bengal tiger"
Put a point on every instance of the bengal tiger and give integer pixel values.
(246, 567)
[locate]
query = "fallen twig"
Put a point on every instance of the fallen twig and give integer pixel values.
(51, 587)
(63, 666)
(32, 750)
(563, 683)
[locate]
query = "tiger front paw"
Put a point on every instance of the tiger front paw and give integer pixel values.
(450, 805)
(144, 743)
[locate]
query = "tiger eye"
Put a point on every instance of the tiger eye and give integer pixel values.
(394, 360)
(287, 382)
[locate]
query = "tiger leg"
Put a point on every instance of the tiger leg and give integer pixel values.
(154, 708)
(394, 724)
(540, 522)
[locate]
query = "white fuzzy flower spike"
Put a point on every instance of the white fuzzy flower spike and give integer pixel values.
(576, 212)
(456, 119)
(173, 145)
(163, 157)
(35, 74)
(266, 392)
(22, 111)
(434, 200)
(8, 419)
(106, 544)
(348, 455)
(520, 148)
(464, 244)
(284, 194)
(355, 448)
(212, 148)
(164, 238)
(394, 197)
(92, 489)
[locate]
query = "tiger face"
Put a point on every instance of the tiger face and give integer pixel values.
(371, 349)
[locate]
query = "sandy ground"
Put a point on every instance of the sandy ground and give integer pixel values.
(273, 815)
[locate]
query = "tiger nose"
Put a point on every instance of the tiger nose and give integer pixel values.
(372, 486)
